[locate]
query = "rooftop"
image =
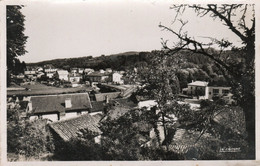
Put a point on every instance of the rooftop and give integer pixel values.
(70, 128)
(56, 103)
(198, 83)
(97, 74)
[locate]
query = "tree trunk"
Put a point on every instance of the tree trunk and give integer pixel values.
(249, 110)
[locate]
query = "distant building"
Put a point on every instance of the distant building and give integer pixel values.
(116, 78)
(74, 77)
(57, 107)
(97, 77)
(195, 87)
(20, 76)
(206, 91)
(49, 69)
(218, 91)
(29, 72)
(49, 74)
(62, 75)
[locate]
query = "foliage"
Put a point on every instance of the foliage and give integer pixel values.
(16, 40)
(80, 148)
(27, 138)
(238, 68)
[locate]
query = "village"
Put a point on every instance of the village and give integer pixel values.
(92, 96)
(106, 84)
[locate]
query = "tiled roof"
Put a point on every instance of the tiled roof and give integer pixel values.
(198, 83)
(70, 128)
(56, 103)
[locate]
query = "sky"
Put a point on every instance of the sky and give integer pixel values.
(67, 30)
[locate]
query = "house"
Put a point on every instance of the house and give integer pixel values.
(57, 107)
(49, 68)
(116, 78)
(49, 74)
(218, 91)
(74, 77)
(20, 76)
(62, 75)
(29, 72)
(97, 77)
(72, 128)
(196, 88)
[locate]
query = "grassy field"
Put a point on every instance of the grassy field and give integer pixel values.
(41, 89)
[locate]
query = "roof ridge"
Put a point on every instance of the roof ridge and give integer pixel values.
(60, 94)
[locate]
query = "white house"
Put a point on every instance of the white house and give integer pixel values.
(49, 74)
(220, 91)
(62, 75)
(116, 78)
(50, 70)
(57, 107)
(29, 72)
(196, 86)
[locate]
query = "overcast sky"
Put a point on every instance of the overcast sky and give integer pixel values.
(66, 30)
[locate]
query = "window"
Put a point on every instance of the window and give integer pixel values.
(215, 91)
(225, 91)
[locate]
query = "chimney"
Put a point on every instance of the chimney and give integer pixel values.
(68, 103)
(107, 99)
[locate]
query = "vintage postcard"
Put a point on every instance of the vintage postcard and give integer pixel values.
(129, 82)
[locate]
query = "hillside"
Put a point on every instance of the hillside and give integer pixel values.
(196, 67)
(115, 61)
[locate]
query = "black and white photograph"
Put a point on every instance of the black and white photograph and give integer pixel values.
(129, 81)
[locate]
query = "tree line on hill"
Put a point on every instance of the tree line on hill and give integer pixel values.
(195, 66)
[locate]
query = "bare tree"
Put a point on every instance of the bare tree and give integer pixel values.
(239, 69)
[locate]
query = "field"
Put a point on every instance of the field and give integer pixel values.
(41, 89)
